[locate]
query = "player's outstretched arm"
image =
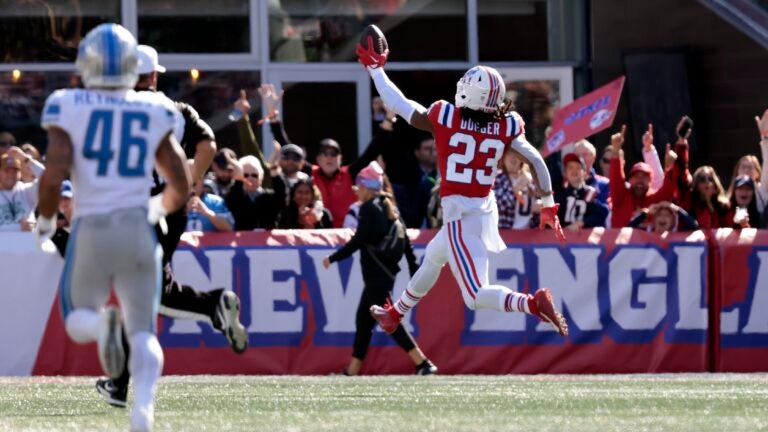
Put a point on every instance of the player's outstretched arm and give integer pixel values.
(172, 165)
(525, 150)
(412, 111)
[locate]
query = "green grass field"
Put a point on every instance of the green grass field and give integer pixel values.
(717, 402)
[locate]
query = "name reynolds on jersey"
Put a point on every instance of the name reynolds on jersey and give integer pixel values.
(490, 128)
(632, 294)
(96, 98)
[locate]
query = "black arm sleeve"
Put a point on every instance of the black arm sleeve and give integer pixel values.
(364, 230)
(410, 256)
(638, 220)
(370, 154)
(686, 222)
(195, 129)
(278, 132)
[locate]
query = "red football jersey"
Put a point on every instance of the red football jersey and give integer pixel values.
(468, 153)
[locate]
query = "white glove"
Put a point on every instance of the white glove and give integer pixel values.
(156, 212)
(44, 231)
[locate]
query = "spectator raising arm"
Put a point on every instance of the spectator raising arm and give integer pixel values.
(762, 126)
(249, 145)
(651, 157)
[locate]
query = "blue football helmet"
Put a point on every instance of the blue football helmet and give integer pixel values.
(107, 57)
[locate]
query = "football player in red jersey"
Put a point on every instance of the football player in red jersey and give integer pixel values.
(471, 136)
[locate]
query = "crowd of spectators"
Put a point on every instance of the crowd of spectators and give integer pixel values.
(245, 191)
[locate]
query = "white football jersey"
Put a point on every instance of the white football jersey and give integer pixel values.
(115, 135)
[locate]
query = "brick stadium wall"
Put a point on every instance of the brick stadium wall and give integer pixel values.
(727, 69)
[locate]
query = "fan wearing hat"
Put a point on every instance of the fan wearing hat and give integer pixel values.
(17, 199)
(630, 195)
(744, 209)
(382, 241)
(579, 205)
(334, 180)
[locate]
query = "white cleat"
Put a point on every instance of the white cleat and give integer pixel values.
(142, 419)
(110, 343)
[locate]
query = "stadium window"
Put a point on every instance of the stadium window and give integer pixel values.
(212, 95)
(50, 31)
(22, 100)
(327, 31)
(512, 30)
(195, 26)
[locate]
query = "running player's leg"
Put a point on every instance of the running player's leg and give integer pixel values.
(469, 263)
(138, 287)
(217, 307)
(435, 258)
(85, 285)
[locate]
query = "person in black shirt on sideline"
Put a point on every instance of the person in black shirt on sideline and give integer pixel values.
(382, 241)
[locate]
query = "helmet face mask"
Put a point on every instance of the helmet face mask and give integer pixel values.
(481, 89)
(107, 58)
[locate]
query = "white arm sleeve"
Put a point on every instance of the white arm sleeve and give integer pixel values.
(652, 159)
(393, 97)
(522, 146)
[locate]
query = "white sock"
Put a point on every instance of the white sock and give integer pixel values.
(418, 287)
(83, 325)
(502, 299)
(145, 364)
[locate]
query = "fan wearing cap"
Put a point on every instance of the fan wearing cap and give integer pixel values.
(198, 140)
(744, 204)
(579, 206)
(18, 199)
(630, 195)
(382, 241)
(334, 180)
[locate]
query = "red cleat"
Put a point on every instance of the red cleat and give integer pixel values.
(542, 306)
(387, 317)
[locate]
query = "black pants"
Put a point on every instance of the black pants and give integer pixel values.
(177, 297)
(376, 293)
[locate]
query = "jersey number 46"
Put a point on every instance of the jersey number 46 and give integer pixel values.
(132, 148)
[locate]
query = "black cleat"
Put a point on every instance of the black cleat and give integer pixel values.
(116, 396)
(227, 320)
(426, 368)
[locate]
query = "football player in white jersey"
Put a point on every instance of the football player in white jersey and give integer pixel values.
(108, 137)
(470, 137)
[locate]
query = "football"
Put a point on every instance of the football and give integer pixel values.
(379, 41)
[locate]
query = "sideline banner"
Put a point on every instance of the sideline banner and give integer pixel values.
(634, 303)
(739, 310)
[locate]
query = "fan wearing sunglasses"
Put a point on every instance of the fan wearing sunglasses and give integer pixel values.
(253, 206)
(707, 201)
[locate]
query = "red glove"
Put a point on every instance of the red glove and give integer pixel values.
(368, 56)
(549, 219)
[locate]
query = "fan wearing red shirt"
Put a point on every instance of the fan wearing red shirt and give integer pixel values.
(470, 137)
